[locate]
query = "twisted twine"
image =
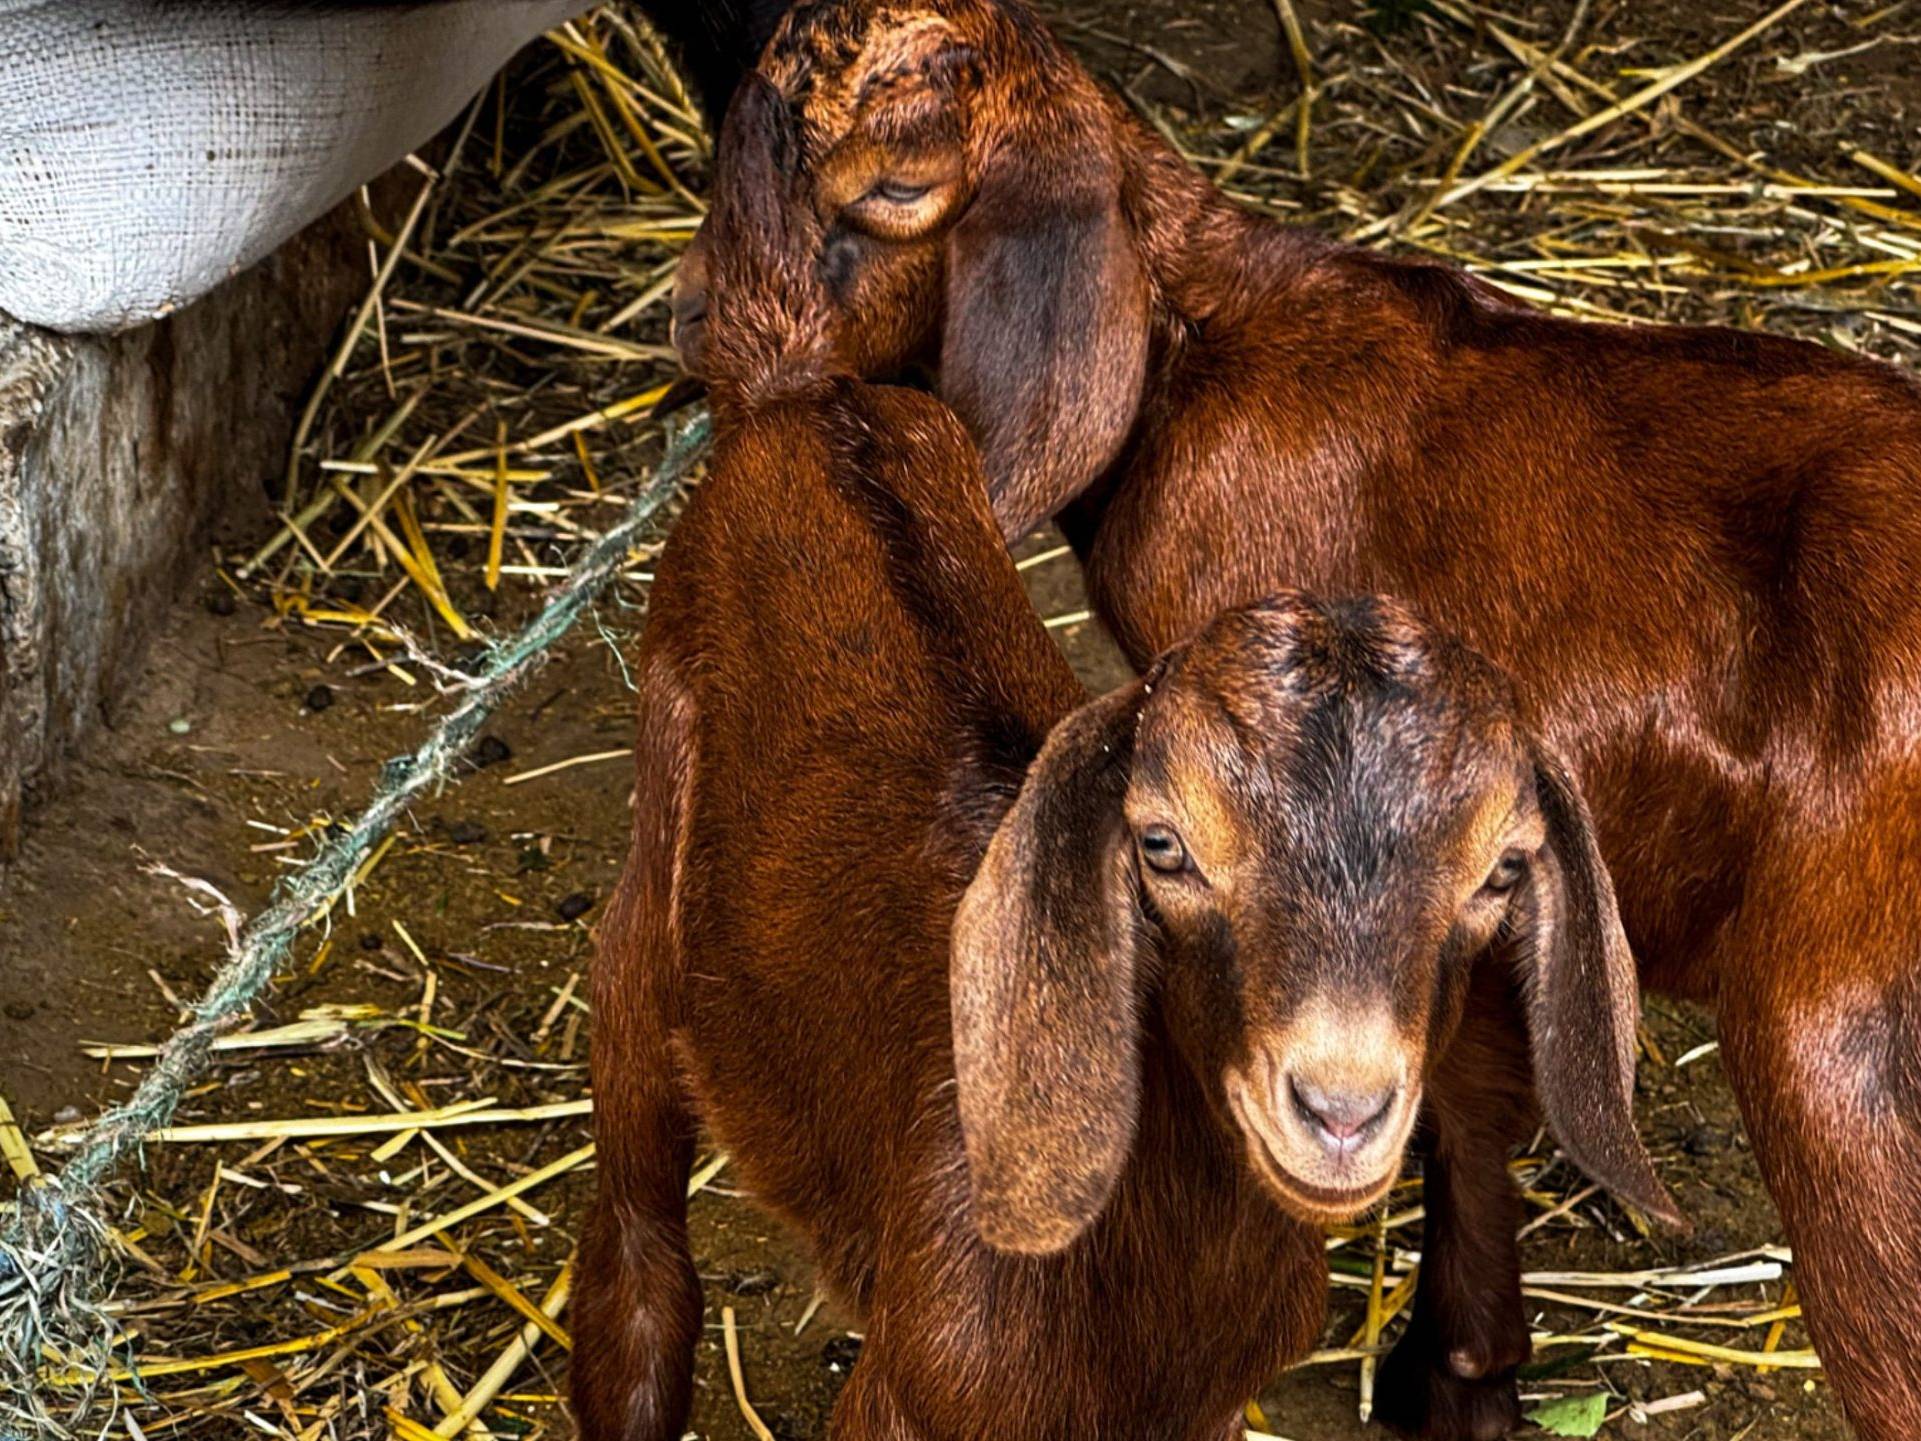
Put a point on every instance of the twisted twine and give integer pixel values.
(56, 1264)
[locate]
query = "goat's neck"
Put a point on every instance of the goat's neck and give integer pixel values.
(1200, 249)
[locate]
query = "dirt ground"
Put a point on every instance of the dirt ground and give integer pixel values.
(224, 732)
(242, 727)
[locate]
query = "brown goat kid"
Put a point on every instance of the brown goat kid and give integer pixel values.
(1056, 1025)
(1698, 550)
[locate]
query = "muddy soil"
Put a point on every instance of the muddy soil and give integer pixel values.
(229, 733)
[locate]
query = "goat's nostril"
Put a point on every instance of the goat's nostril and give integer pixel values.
(1344, 1117)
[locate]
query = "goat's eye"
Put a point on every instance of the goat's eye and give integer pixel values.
(1163, 850)
(897, 192)
(1509, 871)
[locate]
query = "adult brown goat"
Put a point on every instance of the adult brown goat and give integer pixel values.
(1206, 954)
(1699, 551)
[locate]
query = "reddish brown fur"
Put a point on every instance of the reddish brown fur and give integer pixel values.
(1696, 548)
(841, 684)
(843, 693)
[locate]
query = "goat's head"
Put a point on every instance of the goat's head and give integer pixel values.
(1293, 839)
(965, 175)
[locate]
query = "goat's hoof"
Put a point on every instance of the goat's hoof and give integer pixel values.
(1423, 1391)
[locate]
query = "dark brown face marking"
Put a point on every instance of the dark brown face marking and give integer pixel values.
(1340, 781)
(1344, 771)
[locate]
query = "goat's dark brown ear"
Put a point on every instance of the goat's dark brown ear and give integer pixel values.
(1045, 346)
(758, 201)
(754, 258)
(1584, 1002)
(1046, 1029)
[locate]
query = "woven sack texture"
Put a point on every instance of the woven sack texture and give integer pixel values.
(151, 148)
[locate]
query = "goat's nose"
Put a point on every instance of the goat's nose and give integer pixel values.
(690, 309)
(689, 313)
(1344, 1118)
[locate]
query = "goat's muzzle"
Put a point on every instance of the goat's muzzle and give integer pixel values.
(1326, 1108)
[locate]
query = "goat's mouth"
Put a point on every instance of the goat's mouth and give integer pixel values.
(688, 332)
(689, 305)
(1337, 1188)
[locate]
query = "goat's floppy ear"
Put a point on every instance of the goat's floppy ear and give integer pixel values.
(1046, 1030)
(1045, 346)
(1584, 1001)
(754, 256)
(758, 198)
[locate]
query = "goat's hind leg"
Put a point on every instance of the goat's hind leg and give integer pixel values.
(1821, 1030)
(637, 1315)
(637, 1311)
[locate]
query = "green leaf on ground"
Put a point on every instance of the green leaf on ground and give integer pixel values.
(1572, 1415)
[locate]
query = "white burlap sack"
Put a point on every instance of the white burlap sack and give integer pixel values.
(150, 148)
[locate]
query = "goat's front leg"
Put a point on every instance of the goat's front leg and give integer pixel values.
(1452, 1375)
(866, 1409)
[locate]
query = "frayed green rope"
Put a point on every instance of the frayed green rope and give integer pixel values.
(55, 1262)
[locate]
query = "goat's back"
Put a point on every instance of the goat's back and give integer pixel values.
(868, 683)
(1608, 510)
(1692, 547)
